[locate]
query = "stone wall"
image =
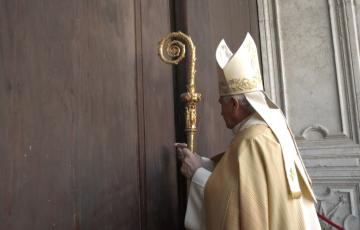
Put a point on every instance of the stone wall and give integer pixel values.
(311, 67)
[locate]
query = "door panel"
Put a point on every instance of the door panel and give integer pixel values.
(158, 103)
(86, 119)
(68, 101)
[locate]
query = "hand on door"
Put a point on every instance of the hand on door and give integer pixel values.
(190, 161)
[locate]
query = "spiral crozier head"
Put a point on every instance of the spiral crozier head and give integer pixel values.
(172, 49)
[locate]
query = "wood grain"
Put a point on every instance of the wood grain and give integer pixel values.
(161, 171)
(88, 111)
(85, 143)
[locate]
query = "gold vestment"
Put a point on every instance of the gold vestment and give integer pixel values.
(248, 188)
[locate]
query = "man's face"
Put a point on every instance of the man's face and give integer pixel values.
(227, 112)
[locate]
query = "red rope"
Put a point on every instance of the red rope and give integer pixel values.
(330, 222)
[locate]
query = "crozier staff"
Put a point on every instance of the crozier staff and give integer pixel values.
(260, 182)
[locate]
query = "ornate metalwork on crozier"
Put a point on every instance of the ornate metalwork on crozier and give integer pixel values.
(172, 49)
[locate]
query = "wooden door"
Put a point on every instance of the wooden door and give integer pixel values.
(87, 120)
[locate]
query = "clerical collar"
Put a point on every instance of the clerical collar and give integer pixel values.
(253, 119)
(239, 125)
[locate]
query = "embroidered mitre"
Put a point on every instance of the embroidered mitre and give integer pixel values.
(241, 70)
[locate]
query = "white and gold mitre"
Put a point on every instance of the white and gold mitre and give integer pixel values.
(241, 70)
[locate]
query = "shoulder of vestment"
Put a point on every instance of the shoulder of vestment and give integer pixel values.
(257, 133)
(252, 132)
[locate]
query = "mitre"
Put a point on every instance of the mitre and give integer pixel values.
(241, 70)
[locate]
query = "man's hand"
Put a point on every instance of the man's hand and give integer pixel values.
(190, 161)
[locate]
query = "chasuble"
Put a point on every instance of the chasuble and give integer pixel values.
(247, 188)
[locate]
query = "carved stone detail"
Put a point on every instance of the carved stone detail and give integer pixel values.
(337, 182)
(323, 131)
(346, 51)
(344, 34)
(340, 205)
(270, 52)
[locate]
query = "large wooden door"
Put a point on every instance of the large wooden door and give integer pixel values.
(87, 119)
(86, 116)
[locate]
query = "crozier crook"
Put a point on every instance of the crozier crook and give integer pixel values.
(172, 49)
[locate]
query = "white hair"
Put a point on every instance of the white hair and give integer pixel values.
(240, 98)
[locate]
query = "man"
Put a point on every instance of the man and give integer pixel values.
(260, 181)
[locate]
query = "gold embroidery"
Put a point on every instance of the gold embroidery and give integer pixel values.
(296, 195)
(292, 174)
(242, 84)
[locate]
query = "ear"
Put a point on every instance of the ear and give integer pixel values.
(235, 104)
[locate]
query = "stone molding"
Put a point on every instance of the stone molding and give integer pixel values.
(332, 158)
(343, 20)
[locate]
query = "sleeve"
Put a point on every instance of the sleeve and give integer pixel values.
(207, 163)
(194, 210)
(253, 192)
